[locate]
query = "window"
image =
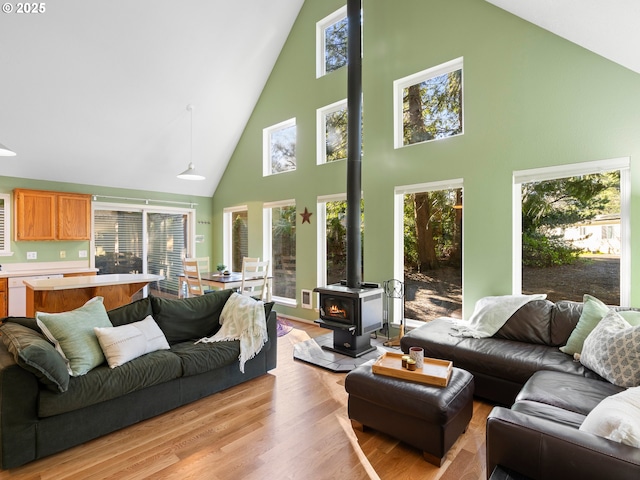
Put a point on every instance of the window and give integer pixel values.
(279, 146)
(5, 223)
(332, 238)
(236, 236)
(331, 42)
(428, 105)
(332, 132)
(428, 249)
(280, 248)
(571, 231)
(142, 240)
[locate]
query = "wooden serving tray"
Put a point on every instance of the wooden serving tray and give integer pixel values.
(434, 372)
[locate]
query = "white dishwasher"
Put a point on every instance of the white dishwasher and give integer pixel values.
(18, 293)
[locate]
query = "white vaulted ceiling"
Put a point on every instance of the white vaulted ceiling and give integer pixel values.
(95, 91)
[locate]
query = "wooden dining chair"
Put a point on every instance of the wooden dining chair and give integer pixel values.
(254, 278)
(191, 270)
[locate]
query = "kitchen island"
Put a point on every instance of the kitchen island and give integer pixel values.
(56, 295)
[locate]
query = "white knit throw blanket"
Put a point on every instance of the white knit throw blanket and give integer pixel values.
(491, 313)
(243, 319)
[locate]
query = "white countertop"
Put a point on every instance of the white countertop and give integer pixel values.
(53, 271)
(67, 283)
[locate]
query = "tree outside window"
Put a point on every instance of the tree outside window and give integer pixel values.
(571, 241)
(280, 148)
(429, 105)
(331, 40)
(283, 250)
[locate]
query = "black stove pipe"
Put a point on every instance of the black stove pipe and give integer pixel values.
(354, 143)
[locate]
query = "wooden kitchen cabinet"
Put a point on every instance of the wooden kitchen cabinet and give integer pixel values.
(3, 298)
(44, 215)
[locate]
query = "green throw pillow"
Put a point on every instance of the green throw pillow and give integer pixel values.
(131, 312)
(73, 336)
(189, 318)
(593, 311)
(631, 316)
(35, 354)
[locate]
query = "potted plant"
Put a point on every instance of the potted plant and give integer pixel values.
(221, 267)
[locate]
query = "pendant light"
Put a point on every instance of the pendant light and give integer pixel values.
(6, 152)
(190, 173)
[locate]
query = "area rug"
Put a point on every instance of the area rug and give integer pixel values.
(284, 327)
(311, 351)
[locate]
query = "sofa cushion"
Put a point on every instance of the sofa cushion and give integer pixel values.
(103, 383)
(566, 391)
(612, 350)
(564, 319)
(126, 342)
(203, 357)
(73, 336)
(593, 310)
(531, 323)
(33, 352)
(617, 418)
(131, 312)
(189, 318)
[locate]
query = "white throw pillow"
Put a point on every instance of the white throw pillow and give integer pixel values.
(617, 418)
(612, 350)
(126, 342)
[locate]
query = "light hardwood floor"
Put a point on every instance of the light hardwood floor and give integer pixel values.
(289, 424)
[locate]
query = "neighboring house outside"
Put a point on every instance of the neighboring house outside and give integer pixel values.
(600, 235)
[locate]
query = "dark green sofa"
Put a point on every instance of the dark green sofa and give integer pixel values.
(37, 420)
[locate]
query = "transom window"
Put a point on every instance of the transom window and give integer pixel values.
(428, 105)
(331, 41)
(279, 146)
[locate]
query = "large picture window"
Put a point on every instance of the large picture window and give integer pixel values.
(331, 41)
(279, 145)
(332, 238)
(280, 248)
(428, 248)
(428, 105)
(571, 227)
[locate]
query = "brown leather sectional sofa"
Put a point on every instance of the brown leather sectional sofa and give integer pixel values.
(549, 394)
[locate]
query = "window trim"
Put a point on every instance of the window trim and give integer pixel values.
(321, 26)
(266, 145)
(267, 253)
(571, 170)
(405, 82)
(6, 232)
(321, 122)
(227, 231)
(398, 231)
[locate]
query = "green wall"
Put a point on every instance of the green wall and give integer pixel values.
(531, 99)
(50, 251)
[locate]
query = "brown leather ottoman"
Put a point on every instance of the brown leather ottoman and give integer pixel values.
(428, 417)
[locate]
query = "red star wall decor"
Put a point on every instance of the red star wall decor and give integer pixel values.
(306, 216)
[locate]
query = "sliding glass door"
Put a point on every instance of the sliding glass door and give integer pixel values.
(142, 240)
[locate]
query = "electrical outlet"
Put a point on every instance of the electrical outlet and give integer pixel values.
(63, 254)
(32, 255)
(82, 254)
